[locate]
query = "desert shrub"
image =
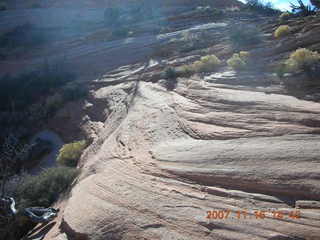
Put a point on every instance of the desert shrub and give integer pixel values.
(206, 64)
(261, 7)
(171, 75)
(70, 153)
(282, 31)
(242, 36)
(284, 16)
(45, 188)
(3, 6)
(302, 60)
(239, 61)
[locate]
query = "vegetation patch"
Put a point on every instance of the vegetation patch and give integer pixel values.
(207, 63)
(303, 60)
(70, 153)
(20, 92)
(45, 188)
(239, 61)
(282, 31)
(171, 75)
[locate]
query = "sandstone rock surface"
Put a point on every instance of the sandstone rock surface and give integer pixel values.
(159, 160)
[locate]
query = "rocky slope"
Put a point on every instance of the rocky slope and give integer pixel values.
(225, 141)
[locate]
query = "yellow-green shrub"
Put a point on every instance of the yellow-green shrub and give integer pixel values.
(282, 31)
(239, 60)
(206, 64)
(302, 59)
(70, 153)
(284, 16)
(244, 55)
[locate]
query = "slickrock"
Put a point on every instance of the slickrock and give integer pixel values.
(128, 192)
(161, 162)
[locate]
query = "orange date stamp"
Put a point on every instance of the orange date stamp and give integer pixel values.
(256, 214)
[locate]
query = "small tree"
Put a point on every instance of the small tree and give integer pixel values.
(12, 155)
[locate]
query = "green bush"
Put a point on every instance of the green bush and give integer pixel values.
(302, 60)
(70, 153)
(171, 75)
(45, 188)
(282, 31)
(239, 61)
